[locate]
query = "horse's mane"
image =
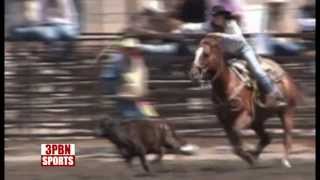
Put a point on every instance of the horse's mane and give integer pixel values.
(210, 40)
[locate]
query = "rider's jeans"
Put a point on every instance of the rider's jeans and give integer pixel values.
(237, 45)
(128, 109)
(47, 33)
(264, 81)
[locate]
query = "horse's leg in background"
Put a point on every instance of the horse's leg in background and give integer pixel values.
(233, 134)
(265, 139)
(144, 163)
(236, 142)
(287, 123)
(127, 156)
(143, 160)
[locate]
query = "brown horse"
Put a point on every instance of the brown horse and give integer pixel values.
(237, 106)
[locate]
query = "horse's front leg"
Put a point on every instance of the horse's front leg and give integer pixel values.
(232, 126)
(236, 142)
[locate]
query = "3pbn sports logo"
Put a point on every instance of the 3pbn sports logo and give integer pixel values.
(58, 155)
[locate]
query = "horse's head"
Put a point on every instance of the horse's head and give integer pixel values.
(208, 59)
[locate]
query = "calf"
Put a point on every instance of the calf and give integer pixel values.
(141, 137)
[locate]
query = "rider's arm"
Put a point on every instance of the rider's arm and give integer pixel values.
(159, 48)
(191, 28)
(234, 28)
(232, 31)
(232, 40)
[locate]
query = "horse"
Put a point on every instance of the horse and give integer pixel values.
(237, 104)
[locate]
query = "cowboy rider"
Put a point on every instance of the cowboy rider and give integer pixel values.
(222, 25)
(131, 86)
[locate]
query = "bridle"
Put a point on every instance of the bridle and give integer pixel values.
(204, 70)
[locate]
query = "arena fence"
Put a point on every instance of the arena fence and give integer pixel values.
(46, 98)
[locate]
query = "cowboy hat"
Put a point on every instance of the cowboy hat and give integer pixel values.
(219, 10)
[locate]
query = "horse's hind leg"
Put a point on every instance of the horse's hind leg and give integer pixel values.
(287, 123)
(127, 156)
(265, 139)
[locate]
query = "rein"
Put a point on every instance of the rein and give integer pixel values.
(233, 101)
(219, 71)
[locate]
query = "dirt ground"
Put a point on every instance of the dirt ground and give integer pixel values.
(97, 159)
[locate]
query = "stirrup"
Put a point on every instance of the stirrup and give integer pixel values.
(277, 103)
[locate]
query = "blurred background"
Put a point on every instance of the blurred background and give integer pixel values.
(114, 16)
(64, 60)
(54, 88)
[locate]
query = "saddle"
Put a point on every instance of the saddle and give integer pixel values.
(240, 67)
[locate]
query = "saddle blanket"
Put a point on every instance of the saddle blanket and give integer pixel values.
(240, 67)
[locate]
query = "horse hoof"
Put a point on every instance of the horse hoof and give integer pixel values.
(253, 165)
(286, 163)
(252, 162)
(254, 154)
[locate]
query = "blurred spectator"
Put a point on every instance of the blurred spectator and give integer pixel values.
(52, 21)
(275, 13)
(268, 45)
(57, 20)
(307, 18)
(127, 78)
(154, 20)
(233, 6)
(152, 17)
(193, 11)
(307, 22)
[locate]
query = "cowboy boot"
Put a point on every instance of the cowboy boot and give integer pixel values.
(275, 98)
